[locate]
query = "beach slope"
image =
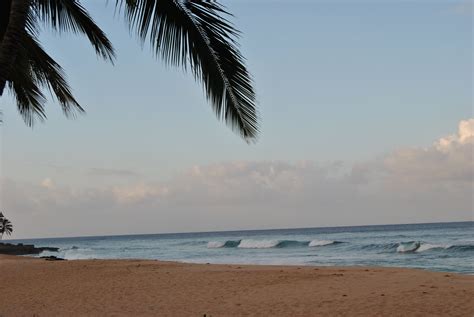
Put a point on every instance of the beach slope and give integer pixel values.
(35, 287)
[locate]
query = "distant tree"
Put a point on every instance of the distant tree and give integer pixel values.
(192, 34)
(6, 226)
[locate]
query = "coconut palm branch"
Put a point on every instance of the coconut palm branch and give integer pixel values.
(35, 69)
(26, 69)
(194, 34)
(70, 16)
(13, 15)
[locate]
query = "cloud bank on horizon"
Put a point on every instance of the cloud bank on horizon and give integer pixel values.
(407, 185)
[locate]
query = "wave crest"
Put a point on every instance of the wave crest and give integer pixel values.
(321, 243)
(223, 244)
(267, 244)
(215, 244)
(417, 246)
(428, 246)
(258, 244)
(407, 247)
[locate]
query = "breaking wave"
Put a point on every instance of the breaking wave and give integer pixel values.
(418, 246)
(223, 244)
(406, 247)
(268, 244)
(428, 246)
(322, 243)
(258, 244)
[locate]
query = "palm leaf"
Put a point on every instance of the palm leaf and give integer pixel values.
(4, 17)
(50, 74)
(69, 15)
(23, 84)
(193, 34)
(34, 69)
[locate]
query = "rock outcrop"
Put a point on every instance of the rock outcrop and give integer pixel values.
(23, 249)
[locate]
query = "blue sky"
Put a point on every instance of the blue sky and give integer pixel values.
(336, 81)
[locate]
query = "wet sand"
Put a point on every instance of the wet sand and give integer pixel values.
(35, 287)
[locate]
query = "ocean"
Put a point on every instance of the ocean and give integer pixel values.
(447, 247)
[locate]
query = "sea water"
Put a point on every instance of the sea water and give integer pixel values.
(445, 247)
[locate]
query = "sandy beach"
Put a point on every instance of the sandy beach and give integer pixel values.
(35, 287)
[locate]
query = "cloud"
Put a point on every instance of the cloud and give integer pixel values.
(138, 193)
(448, 161)
(464, 136)
(407, 185)
(47, 183)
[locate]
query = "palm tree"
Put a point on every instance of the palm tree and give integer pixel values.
(1, 221)
(192, 34)
(6, 226)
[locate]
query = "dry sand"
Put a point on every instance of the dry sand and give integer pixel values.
(35, 287)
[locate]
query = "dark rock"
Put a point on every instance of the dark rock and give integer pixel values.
(23, 249)
(49, 249)
(52, 258)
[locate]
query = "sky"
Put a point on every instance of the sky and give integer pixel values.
(366, 114)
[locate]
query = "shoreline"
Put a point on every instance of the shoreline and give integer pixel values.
(148, 287)
(302, 265)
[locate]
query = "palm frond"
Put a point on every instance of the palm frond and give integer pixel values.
(30, 100)
(192, 33)
(24, 86)
(50, 74)
(35, 69)
(69, 15)
(4, 17)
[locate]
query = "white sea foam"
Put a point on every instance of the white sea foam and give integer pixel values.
(320, 243)
(416, 246)
(79, 254)
(258, 244)
(427, 246)
(215, 244)
(408, 246)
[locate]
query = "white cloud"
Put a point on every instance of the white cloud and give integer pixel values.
(407, 185)
(47, 183)
(138, 193)
(448, 162)
(464, 136)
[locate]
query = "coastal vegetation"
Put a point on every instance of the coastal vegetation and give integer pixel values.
(6, 226)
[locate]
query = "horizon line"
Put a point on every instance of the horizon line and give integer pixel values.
(241, 230)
